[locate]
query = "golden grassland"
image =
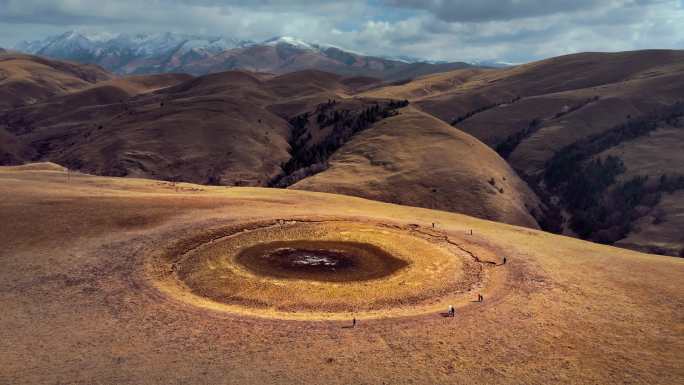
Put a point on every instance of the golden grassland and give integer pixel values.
(28, 79)
(80, 306)
(417, 160)
(438, 274)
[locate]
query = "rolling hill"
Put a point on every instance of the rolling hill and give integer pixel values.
(585, 131)
(583, 145)
(242, 128)
(26, 79)
(414, 159)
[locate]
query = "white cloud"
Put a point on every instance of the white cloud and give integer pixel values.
(515, 30)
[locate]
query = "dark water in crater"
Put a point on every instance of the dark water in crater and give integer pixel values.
(320, 260)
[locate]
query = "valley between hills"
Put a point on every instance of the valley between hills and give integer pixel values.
(583, 145)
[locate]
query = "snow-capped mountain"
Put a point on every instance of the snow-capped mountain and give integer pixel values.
(67, 42)
(196, 54)
(492, 63)
(99, 45)
(412, 59)
(290, 41)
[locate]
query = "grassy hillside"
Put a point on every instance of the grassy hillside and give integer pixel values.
(592, 135)
(415, 159)
(26, 79)
(80, 268)
(558, 120)
(241, 128)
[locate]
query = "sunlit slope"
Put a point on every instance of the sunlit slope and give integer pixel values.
(551, 120)
(228, 128)
(453, 94)
(417, 160)
(555, 119)
(26, 79)
(235, 128)
(572, 96)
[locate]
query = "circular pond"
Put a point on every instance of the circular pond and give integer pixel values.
(317, 270)
(326, 261)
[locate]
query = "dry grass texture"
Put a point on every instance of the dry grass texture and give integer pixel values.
(79, 304)
(438, 274)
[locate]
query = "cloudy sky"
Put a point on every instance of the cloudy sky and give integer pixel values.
(511, 30)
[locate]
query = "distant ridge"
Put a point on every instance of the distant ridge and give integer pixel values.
(200, 55)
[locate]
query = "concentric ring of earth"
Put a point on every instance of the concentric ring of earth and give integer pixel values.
(318, 270)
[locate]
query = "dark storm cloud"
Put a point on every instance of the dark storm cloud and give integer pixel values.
(487, 10)
(498, 10)
(59, 12)
(98, 11)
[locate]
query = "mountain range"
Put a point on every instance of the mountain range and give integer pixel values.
(198, 55)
